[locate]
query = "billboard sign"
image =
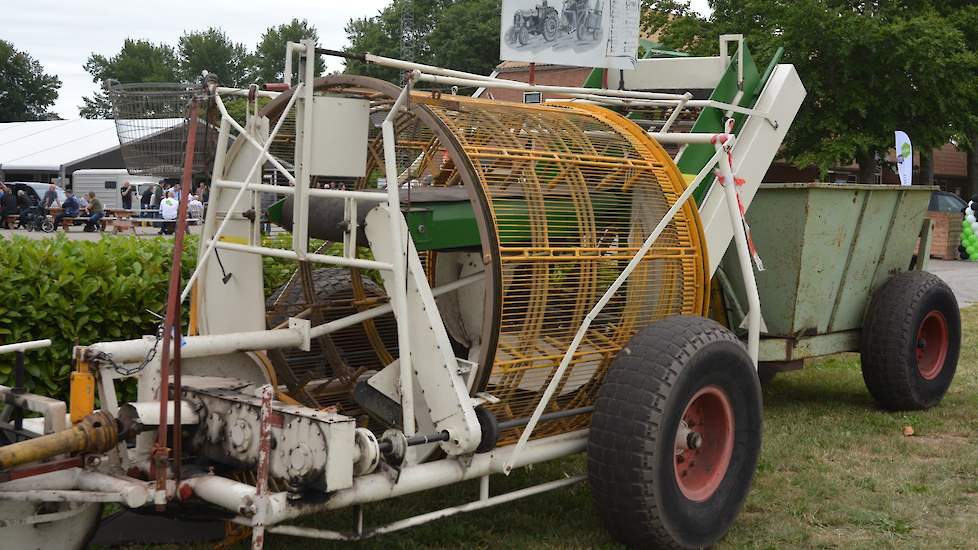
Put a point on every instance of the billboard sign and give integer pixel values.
(582, 33)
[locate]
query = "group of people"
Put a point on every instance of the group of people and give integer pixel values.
(163, 200)
(73, 207)
(22, 204)
(159, 201)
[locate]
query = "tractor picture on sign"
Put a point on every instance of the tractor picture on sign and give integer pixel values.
(577, 24)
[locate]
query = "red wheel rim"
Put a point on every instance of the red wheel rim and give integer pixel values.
(931, 345)
(704, 443)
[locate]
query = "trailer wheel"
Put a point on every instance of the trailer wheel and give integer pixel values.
(910, 341)
(675, 435)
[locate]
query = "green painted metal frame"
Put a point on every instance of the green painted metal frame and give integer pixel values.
(826, 249)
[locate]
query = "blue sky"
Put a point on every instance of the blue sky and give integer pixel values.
(62, 33)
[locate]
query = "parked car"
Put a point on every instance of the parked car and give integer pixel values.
(35, 190)
(942, 201)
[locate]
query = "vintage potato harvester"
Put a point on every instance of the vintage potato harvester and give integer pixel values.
(480, 286)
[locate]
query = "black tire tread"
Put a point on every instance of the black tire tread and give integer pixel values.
(890, 321)
(639, 385)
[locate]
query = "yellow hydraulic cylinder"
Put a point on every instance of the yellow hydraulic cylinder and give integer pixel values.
(82, 394)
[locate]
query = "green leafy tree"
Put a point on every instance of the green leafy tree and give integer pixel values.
(869, 68)
(26, 92)
(138, 61)
(211, 50)
(459, 34)
(964, 15)
(269, 56)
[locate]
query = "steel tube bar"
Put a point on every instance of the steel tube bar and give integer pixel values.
(356, 318)
(675, 112)
(681, 138)
(303, 148)
(399, 263)
(53, 495)
(239, 497)
(172, 330)
(290, 49)
(285, 190)
(743, 255)
(513, 85)
(53, 410)
(517, 422)
(226, 118)
(620, 280)
(25, 346)
(223, 90)
(128, 351)
(242, 133)
(318, 258)
(309, 532)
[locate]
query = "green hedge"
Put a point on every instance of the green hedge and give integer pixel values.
(82, 292)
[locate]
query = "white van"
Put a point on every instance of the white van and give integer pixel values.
(107, 185)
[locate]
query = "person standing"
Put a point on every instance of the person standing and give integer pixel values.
(50, 197)
(157, 195)
(169, 208)
(195, 208)
(127, 192)
(145, 200)
(95, 211)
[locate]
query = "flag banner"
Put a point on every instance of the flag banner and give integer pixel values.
(904, 158)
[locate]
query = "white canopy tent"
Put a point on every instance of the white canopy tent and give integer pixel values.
(55, 146)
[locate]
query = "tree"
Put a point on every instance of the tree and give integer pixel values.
(461, 34)
(870, 68)
(269, 57)
(26, 92)
(964, 14)
(138, 61)
(211, 50)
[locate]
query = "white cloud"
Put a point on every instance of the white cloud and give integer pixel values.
(61, 34)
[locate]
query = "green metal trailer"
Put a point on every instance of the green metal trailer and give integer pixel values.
(828, 249)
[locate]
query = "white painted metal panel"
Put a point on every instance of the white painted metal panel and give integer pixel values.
(339, 136)
(756, 148)
(238, 305)
(679, 73)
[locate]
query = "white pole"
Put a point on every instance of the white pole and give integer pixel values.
(25, 346)
(399, 277)
(513, 85)
(729, 185)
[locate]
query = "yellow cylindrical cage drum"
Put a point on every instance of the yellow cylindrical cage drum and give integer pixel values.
(562, 195)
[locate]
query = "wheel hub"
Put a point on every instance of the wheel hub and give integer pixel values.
(704, 443)
(932, 345)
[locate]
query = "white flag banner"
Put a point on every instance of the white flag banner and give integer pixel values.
(904, 153)
(580, 33)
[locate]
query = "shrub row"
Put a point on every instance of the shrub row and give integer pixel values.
(82, 292)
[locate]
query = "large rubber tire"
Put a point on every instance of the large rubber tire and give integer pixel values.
(632, 454)
(910, 341)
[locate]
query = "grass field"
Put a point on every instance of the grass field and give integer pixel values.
(835, 472)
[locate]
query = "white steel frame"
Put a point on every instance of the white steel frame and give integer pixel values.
(277, 507)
